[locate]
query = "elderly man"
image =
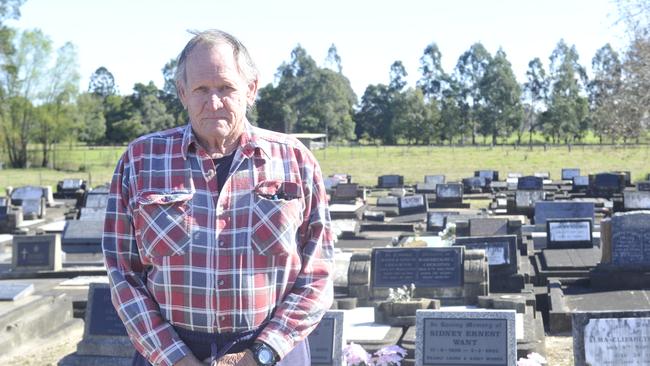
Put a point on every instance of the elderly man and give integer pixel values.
(217, 236)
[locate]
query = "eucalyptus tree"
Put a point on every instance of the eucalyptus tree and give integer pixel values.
(567, 115)
(434, 79)
(500, 109)
(169, 96)
(535, 94)
(102, 83)
(374, 117)
(605, 90)
(469, 71)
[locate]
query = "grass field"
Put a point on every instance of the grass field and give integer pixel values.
(366, 163)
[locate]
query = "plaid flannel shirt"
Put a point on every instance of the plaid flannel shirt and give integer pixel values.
(180, 253)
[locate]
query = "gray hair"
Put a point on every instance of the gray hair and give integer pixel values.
(212, 37)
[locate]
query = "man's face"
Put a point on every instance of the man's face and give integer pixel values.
(215, 94)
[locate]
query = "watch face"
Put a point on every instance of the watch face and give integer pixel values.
(265, 356)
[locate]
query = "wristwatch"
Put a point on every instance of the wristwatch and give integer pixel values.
(263, 354)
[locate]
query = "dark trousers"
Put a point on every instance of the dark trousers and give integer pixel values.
(215, 345)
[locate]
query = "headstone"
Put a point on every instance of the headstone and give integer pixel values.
(611, 338)
(92, 214)
(514, 175)
(643, 186)
(468, 338)
(374, 215)
(387, 201)
(527, 199)
(330, 183)
(96, 200)
(631, 239)
(36, 253)
(500, 250)
(434, 179)
(569, 233)
(437, 220)
(606, 184)
(449, 192)
(15, 291)
(580, 183)
(326, 341)
(474, 184)
(492, 175)
(412, 204)
(83, 236)
(488, 226)
(397, 192)
(424, 267)
(569, 173)
(512, 183)
(530, 183)
(3, 209)
(636, 200)
(425, 187)
(390, 181)
(345, 192)
(543, 175)
(562, 210)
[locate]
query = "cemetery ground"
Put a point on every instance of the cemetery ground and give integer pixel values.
(503, 257)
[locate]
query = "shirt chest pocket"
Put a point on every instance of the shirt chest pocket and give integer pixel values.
(163, 223)
(276, 217)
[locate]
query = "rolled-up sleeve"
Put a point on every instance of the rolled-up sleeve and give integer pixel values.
(150, 333)
(312, 294)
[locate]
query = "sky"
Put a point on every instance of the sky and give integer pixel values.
(134, 39)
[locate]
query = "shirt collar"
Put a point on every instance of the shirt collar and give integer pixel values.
(249, 143)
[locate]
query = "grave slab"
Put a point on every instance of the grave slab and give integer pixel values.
(33, 253)
(15, 291)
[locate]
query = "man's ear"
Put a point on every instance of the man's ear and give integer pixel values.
(252, 92)
(181, 94)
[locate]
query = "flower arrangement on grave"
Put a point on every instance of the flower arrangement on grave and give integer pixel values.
(449, 233)
(532, 359)
(402, 294)
(400, 306)
(355, 355)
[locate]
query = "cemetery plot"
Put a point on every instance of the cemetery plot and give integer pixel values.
(530, 183)
(606, 184)
(636, 200)
(31, 199)
(437, 220)
(631, 239)
(412, 204)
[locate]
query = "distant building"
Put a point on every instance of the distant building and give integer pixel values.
(313, 141)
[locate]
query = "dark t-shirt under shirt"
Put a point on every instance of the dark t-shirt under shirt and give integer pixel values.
(223, 168)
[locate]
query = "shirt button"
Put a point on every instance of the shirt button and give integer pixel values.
(210, 173)
(221, 243)
(222, 318)
(221, 282)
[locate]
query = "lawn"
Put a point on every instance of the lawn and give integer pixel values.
(366, 163)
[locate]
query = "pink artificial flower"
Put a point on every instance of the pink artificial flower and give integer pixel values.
(389, 356)
(355, 355)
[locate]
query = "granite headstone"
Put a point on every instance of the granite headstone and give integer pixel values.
(449, 192)
(412, 204)
(390, 181)
(501, 250)
(611, 338)
(562, 210)
(569, 173)
(326, 341)
(467, 338)
(569, 233)
(437, 220)
(434, 179)
(631, 238)
(530, 183)
(36, 253)
(424, 267)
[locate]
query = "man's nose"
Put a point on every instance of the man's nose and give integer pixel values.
(215, 101)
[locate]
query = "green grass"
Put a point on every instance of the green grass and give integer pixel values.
(366, 163)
